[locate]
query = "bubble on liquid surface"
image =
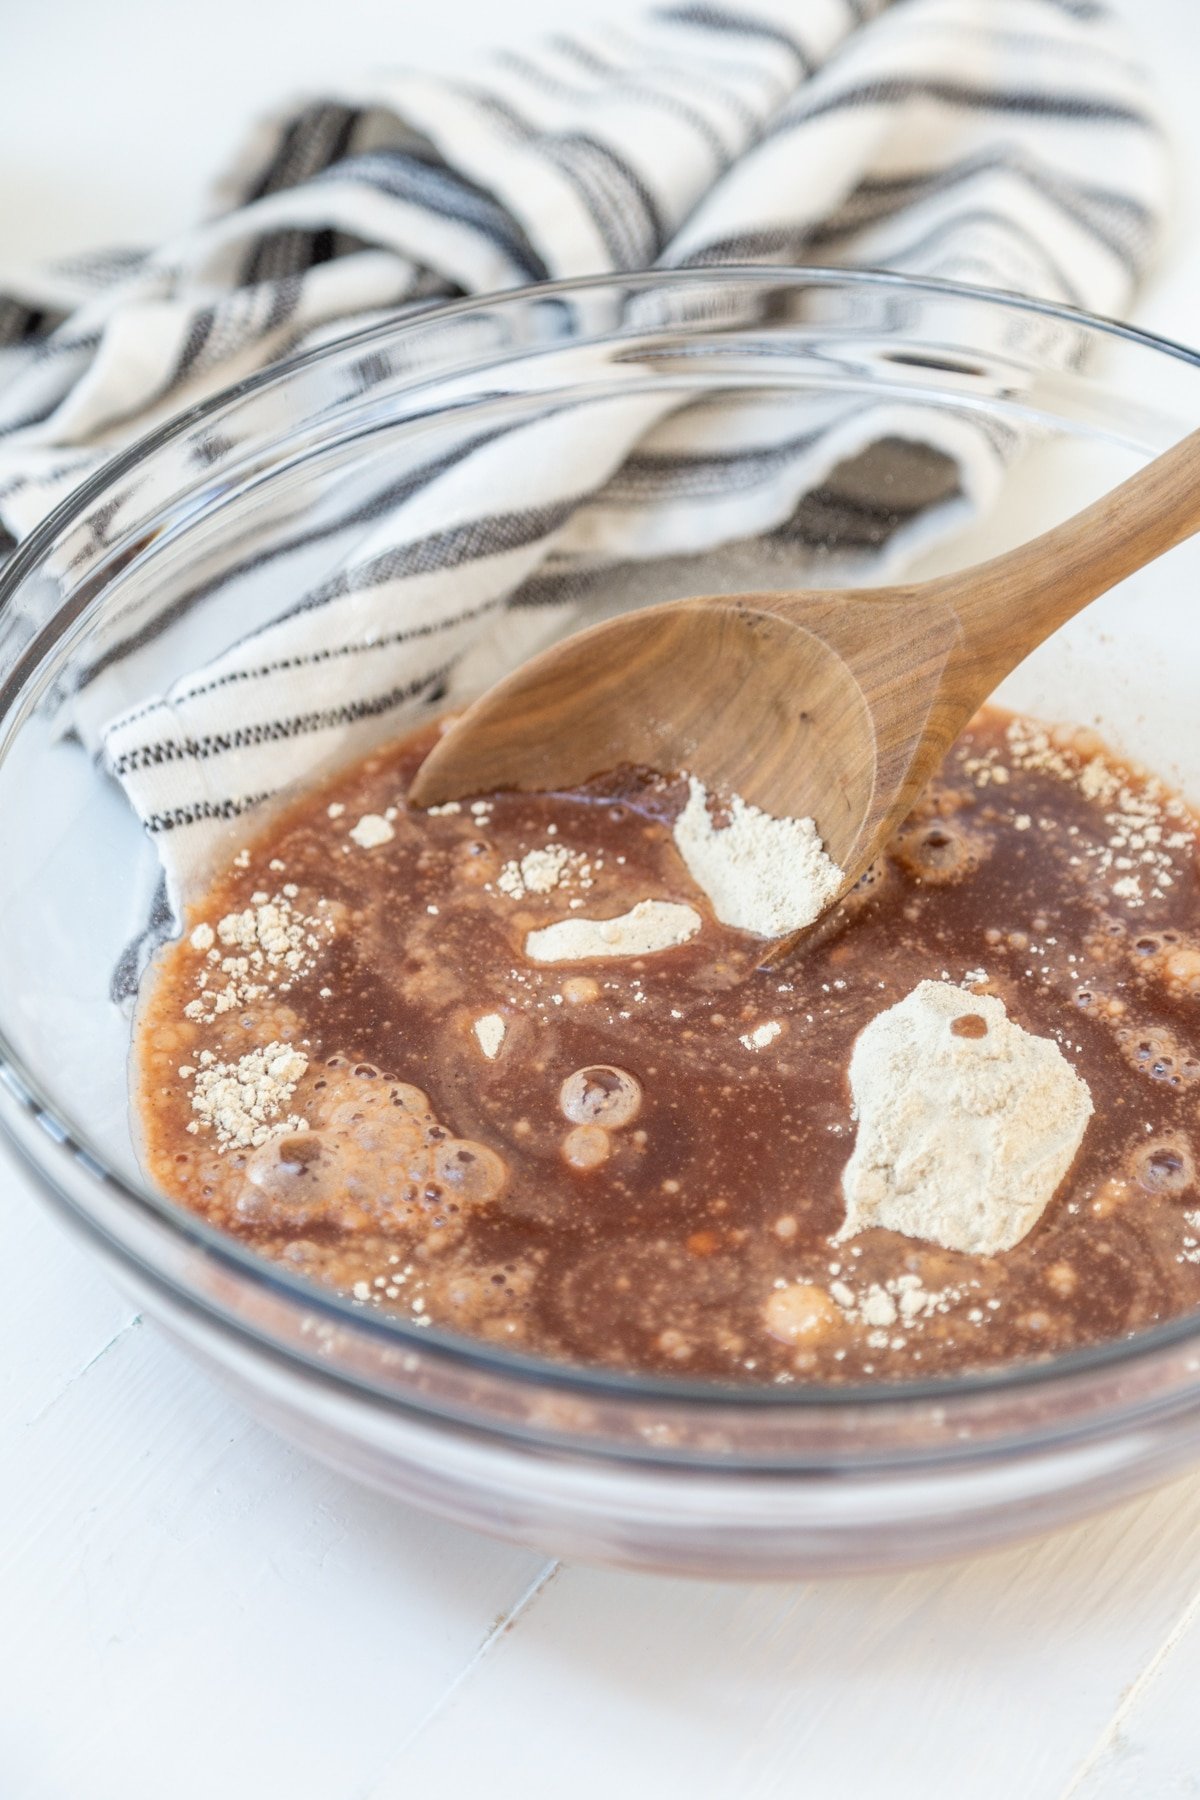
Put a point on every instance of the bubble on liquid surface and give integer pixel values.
(937, 850)
(469, 1171)
(601, 1095)
(376, 1161)
(586, 1147)
(282, 1164)
(1165, 1167)
(800, 1312)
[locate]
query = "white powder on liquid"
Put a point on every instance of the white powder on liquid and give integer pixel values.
(372, 829)
(962, 1139)
(541, 871)
(762, 1035)
(490, 1030)
(650, 926)
(243, 1101)
(267, 944)
(762, 874)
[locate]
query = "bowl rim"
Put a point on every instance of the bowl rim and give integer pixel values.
(594, 1381)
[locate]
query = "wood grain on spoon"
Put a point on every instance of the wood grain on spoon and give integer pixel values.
(834, 706)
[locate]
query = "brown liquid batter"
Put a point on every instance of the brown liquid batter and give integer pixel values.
(350, 1063)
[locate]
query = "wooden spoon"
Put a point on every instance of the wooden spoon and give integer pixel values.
(833, 706)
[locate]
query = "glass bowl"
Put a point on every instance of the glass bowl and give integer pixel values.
(198, 525)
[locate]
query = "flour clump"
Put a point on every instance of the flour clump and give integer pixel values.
(648, 927)
(541, 871)
(490, 1031)
(243, 1101)
(762, 874)
(966, 1122)
(372, 830)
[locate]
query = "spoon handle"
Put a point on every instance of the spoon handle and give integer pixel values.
(1009, 604)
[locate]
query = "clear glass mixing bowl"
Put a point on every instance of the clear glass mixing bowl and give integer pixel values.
(657, 1473)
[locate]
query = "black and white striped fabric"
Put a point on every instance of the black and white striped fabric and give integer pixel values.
(1009, 143)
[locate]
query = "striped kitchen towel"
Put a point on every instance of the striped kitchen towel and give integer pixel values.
(1008, 143)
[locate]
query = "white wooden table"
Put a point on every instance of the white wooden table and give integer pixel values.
(191, 1610)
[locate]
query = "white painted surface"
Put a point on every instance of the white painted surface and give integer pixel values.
(189, 1609)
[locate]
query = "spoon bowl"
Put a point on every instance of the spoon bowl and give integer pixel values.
(772, 708)
(834, 707)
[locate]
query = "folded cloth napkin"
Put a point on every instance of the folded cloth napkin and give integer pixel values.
(1008, 143)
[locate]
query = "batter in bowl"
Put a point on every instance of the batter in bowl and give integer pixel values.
(500, 1069)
